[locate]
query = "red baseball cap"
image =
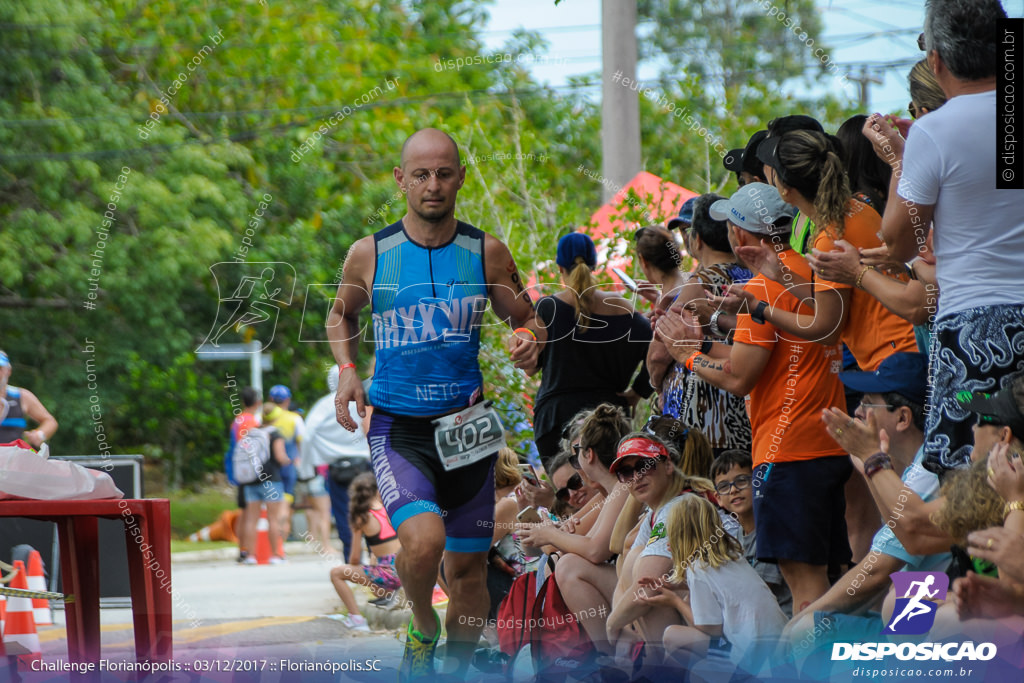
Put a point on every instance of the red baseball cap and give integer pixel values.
(639, 447)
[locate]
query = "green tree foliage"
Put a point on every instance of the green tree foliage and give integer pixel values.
(725, 67)
(203, 110)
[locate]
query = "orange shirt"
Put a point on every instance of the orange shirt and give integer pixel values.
(872, 332)
(799, 380)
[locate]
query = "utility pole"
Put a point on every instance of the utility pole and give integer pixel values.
(620, 104)
(863, 81)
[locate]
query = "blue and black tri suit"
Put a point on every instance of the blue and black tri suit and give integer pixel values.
(427, 304)
(14, 423)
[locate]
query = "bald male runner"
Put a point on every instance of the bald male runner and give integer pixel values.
(429, 278)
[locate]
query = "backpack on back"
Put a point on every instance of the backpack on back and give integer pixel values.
(251, 453)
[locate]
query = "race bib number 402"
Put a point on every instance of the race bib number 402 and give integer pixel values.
(468, 436)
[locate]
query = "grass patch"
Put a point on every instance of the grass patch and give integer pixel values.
(178, 546)
(191, 512)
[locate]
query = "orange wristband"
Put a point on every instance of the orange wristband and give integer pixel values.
(527, 330)
(689, 361)
(342, 368)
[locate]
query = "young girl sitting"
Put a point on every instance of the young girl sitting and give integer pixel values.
(367, 517)
(728, 606)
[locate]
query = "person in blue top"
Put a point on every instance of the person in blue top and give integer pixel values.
(16, 404)
(433, 440)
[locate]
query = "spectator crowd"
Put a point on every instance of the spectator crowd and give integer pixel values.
(838, 393)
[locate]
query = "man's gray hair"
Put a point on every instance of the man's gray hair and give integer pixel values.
(965, 34)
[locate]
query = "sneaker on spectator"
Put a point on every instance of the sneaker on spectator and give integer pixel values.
(249, 559)
(356, 622)
(241, 557)
(392, 601)
(277, 560)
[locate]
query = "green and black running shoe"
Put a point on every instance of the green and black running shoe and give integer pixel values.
(418, 658)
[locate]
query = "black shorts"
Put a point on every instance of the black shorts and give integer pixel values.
(800, 511)
(412, 482)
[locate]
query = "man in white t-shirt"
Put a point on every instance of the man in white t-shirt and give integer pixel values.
(948, 181)
(348, 454)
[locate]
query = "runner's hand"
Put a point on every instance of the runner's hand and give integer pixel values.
(350, 388)
(524, 351)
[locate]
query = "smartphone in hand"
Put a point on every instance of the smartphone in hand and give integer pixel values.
(529, 474)
(529, 516)
(629, 282)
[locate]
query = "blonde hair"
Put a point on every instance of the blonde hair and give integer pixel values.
(812, 167)
(970, 503)
(925, 91)
(581, 282)
(695, 534)
(506, 469)
(681, 481)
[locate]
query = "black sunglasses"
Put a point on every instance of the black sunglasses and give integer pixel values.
(626, 473)
(575, 483)
(574, 459)
(741, 482)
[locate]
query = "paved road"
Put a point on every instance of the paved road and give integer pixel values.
(228, 616)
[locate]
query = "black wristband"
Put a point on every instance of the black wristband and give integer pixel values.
(705, 347)
(757, 315)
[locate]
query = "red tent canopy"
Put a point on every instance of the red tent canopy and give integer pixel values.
(659, 200)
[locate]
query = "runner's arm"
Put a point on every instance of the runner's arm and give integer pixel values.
(34, 409)
(343, 326)
(513, 305)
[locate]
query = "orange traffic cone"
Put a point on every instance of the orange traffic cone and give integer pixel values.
(20, 637)
(263, 539)
(37, 582)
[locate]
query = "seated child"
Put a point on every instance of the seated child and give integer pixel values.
(727, 605)
(367, 518)
(733, 476)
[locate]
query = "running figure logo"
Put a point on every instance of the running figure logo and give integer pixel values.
(916, 597)
(257, 291)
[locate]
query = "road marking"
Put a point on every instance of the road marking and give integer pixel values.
(193, 635)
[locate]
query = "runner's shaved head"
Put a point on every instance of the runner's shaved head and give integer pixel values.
(429, 139)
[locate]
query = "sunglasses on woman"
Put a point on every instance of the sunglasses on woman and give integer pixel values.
(575, 483)
(644, 466)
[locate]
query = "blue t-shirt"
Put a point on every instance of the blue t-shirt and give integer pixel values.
(926, 485)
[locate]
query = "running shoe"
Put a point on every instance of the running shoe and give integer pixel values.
(418, 658)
